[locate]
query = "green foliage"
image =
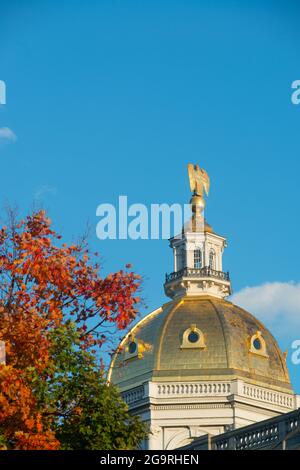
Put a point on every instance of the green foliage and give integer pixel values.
(82, 409)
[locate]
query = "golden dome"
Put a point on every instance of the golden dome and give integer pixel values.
(226, 350)
(208, 228)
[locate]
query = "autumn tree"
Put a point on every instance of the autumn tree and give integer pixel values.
(83, 411)
(45, 284)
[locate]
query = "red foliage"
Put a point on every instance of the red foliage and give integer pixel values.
(42, 283)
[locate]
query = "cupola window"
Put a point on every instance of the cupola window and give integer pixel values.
(212, 259)
(197, 259)
(181, 259)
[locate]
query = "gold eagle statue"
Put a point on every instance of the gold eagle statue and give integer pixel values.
(199, 180)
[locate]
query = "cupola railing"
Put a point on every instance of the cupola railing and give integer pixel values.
(194, 272)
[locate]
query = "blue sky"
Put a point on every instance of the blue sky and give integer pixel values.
(116, 97)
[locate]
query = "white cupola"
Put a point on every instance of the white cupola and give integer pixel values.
(198, 251)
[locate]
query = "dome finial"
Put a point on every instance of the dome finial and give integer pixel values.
(199, 184)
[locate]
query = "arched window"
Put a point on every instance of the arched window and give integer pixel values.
(197, 259)
(212, 259)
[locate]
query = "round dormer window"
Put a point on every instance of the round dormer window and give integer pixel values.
(257, 344)
(132, 348)
(193, 337)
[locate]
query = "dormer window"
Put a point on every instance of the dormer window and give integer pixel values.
(258, 345)
(132, 347)
(193, 338)
(197, 259)
(135, 348)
